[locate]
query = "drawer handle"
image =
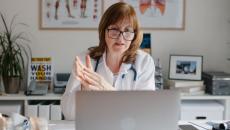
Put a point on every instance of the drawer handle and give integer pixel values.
(201, 117)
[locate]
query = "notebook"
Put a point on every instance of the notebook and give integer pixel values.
(127, 110)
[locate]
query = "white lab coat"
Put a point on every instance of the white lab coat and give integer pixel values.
(144, 66)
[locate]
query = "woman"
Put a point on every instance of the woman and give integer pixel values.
(116, 64)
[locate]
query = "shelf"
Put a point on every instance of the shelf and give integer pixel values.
(52, 96)
(204, 97)
(21, 96)
(225, 100)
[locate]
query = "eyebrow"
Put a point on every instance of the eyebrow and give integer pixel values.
(129, 27)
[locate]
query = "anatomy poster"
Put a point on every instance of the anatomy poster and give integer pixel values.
(157, 14)
(70, 14)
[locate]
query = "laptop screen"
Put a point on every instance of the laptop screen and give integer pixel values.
(127, 110)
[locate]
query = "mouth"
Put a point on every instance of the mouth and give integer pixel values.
(119, 44)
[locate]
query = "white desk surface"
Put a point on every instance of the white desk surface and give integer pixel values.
(61, 125)
(69, 125)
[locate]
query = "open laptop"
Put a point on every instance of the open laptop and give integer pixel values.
(127, 110)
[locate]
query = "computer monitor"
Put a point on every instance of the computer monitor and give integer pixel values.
(127, 110)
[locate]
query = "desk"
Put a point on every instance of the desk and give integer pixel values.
(61, 125)
(69, 125)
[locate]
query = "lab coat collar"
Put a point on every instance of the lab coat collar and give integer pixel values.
(123, 69)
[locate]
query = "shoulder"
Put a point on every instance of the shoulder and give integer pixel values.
(143, 60)
(143, 57)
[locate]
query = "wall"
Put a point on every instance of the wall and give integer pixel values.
(207, 33)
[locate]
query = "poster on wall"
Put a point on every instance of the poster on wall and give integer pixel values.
(157, 14)
(70, 14)
(40, 70)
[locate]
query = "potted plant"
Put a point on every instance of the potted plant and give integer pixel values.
(14, 53)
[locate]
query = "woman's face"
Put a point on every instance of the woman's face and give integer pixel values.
(119, 36)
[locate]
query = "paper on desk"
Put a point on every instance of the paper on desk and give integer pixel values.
(61, 125)
(201, 125)
(208, 125)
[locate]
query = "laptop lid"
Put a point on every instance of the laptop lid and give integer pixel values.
(127, 110)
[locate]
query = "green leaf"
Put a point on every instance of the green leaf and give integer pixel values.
(14, 50)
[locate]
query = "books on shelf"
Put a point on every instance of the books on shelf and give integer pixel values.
(196, 90)
(191, 89)
(201, 92)
(188, 87)
(183, 83)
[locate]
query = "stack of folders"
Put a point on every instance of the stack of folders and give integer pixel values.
(49, 110)
(188, 87)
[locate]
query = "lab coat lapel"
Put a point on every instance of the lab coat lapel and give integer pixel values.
(108, 75)
(104, 70)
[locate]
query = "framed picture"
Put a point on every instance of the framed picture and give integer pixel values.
(70, 14)
(157, 14)
(185, 67)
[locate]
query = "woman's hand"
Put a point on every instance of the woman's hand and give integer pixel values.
(89, 79)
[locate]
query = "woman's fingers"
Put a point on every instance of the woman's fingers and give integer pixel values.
(91, 75)
(79, 67)
(91, 87)
(96, 75)
(84, 85)
(87, 86)
(88, 62)
(80, 63)
(91, 81)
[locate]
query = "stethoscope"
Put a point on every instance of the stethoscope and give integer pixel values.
(123, 75)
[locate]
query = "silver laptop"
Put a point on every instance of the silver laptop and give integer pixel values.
(127, 110)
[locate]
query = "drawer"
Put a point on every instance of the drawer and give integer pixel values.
(202, 110)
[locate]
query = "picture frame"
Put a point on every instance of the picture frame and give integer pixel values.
(160, 15)
(70, 14)
(185, 67)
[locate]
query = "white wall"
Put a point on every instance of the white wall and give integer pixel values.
(207, 33)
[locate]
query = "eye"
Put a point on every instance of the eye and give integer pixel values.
(114, 29)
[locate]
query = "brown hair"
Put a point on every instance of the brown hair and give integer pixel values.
(112, 15)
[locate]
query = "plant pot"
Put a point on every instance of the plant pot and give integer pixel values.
(11, 84)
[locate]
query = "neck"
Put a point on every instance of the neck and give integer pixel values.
(114, 61)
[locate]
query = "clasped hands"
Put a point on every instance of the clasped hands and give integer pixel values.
(89, 79)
